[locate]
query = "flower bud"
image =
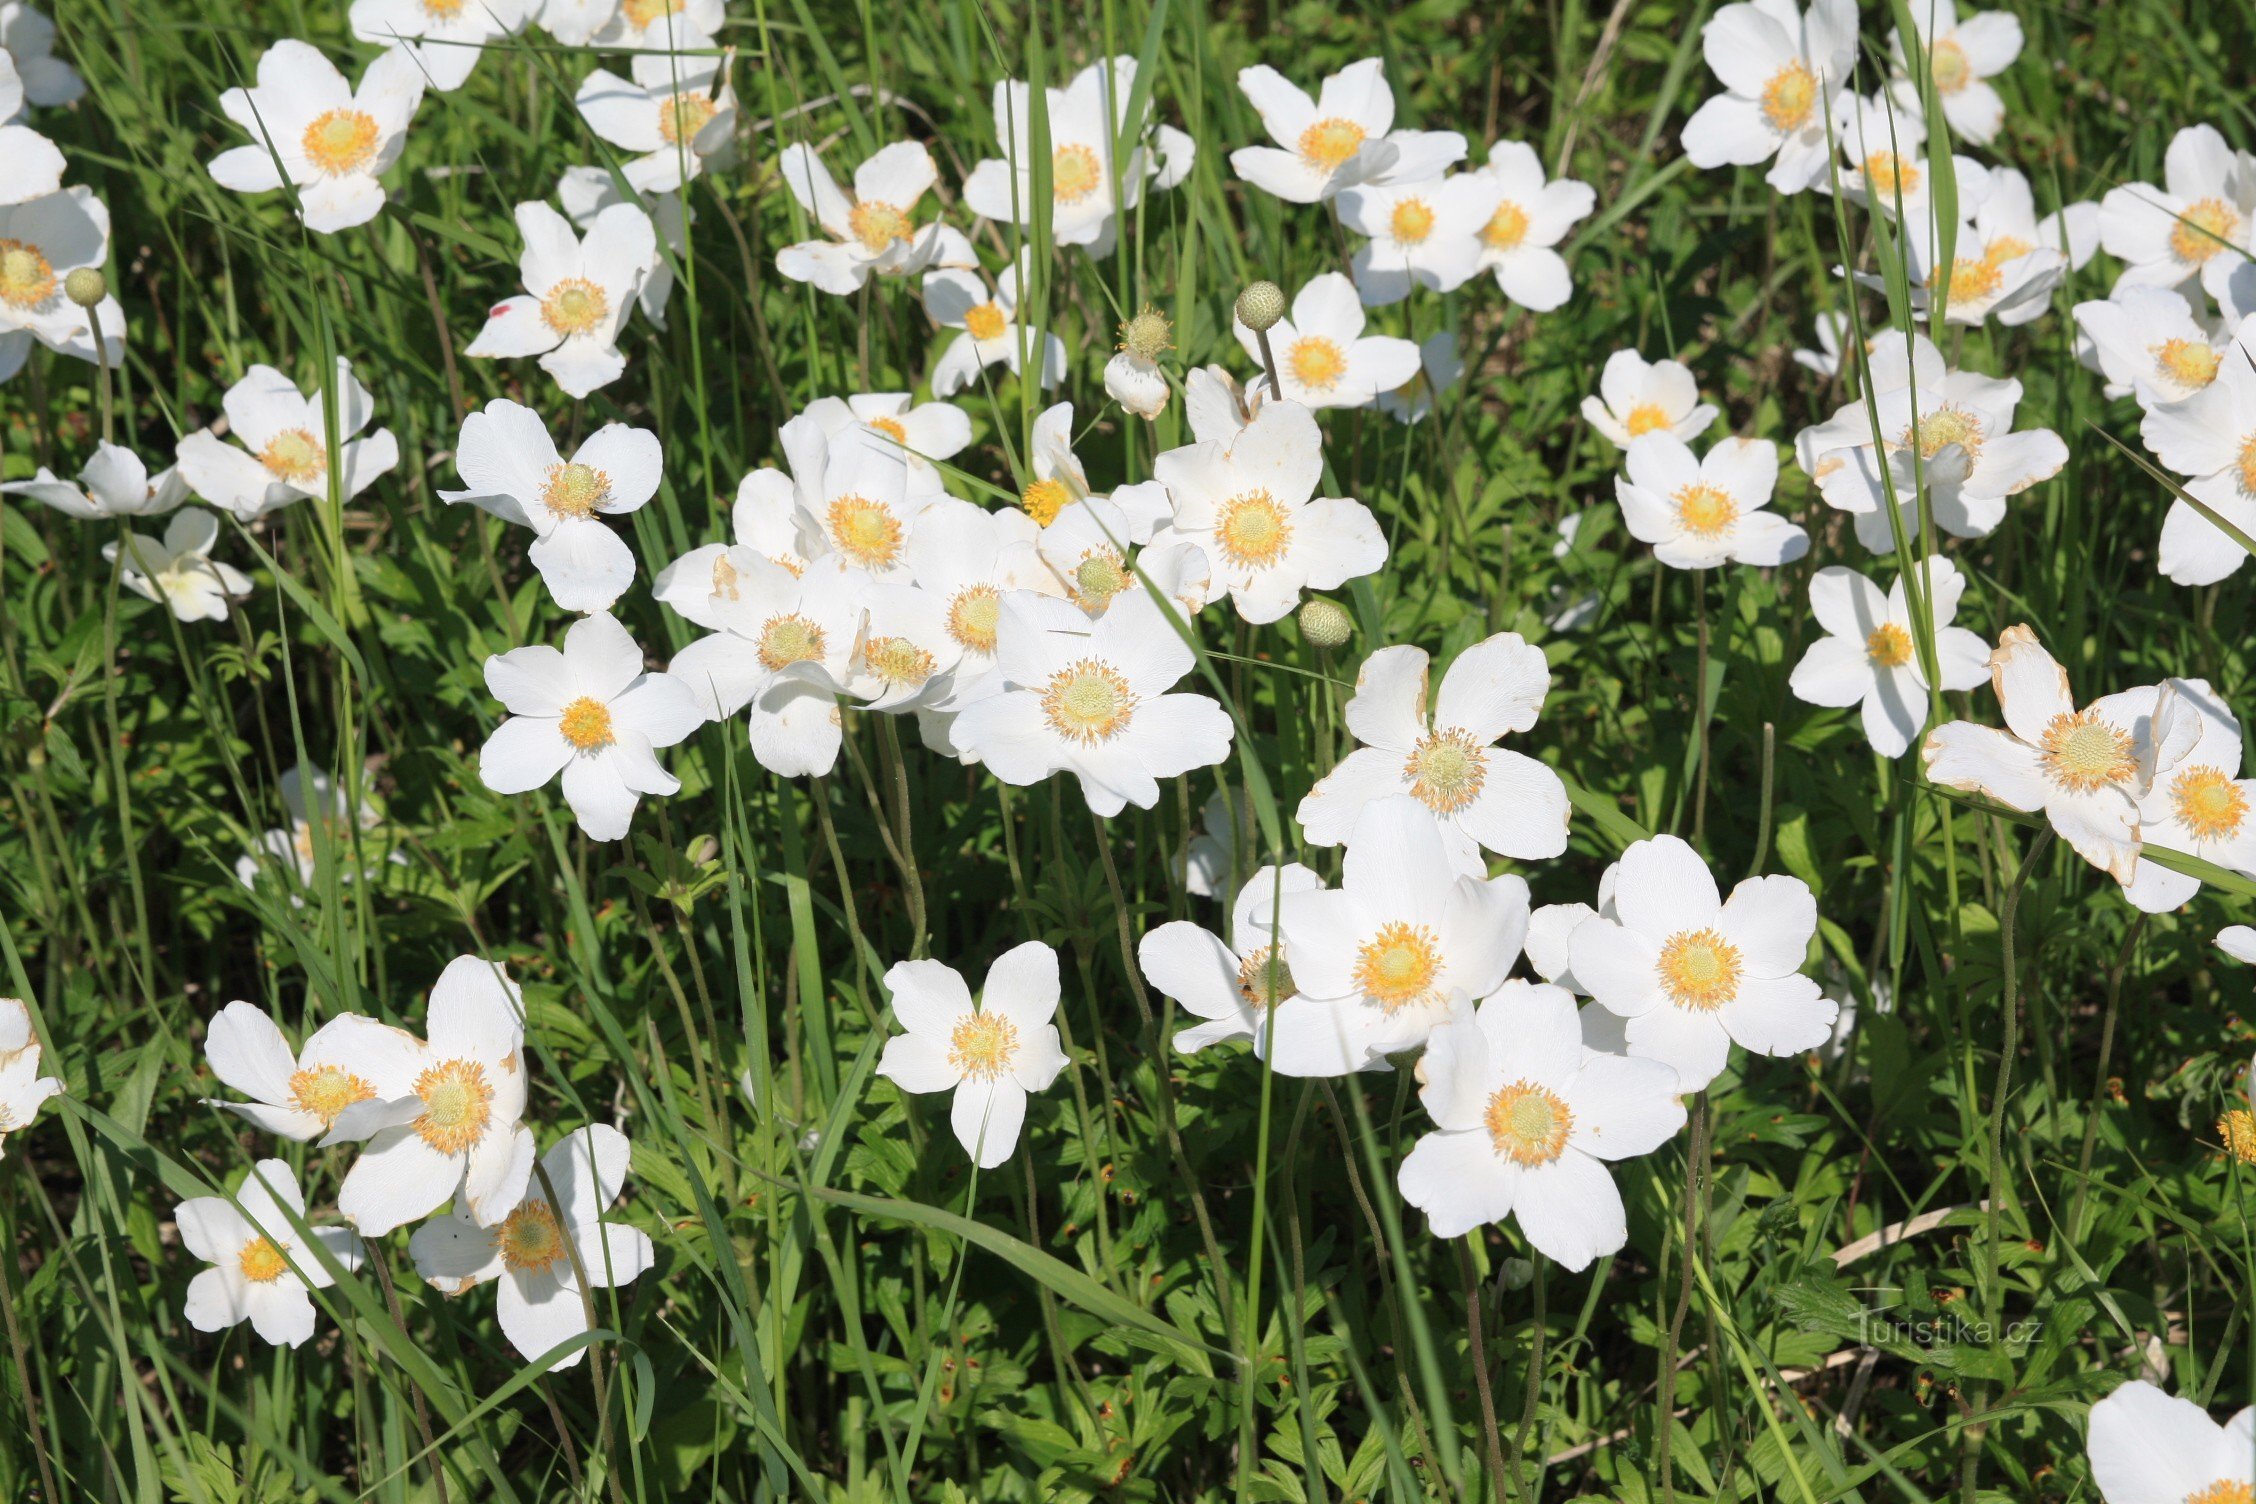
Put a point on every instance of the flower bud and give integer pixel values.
(1261, 305)
(1324, 623)
(86, 286)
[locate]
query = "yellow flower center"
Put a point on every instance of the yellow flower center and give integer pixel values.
(1412, 221)
(1253, 530)
(2004, 248)
(2237, 1131)
(1528, 1124)
(586, 724)
(261, 1262)
(2224, 1490)
(1506, 228)
(1967, 279)
(891, 428)
(1264, 980)
(1942, 428)
(1645, 418)
(1397, 966)
(2203, 229)
(1889, 646)
(1329, 142)
(682, 116)
(1886, 175)
(575, 490)
(457, 1105)
(574, 306)
(1088, 702)
(1075, 173)
(896, 661)
(530, 1239)
(972, 615)
(877, 225)
(1706, 510)
(986, 322)
(443, 10)
(1952, 71)
(340, 141)
(1316, 362)
(1446, 770)
(1098, 578)
(1700, 969)
(1044, 499)
(27, 277)
(328, 1090)
(785, 640)
(865, 531)
(640, 13)
(982, 1045)
(2247, 465)
(2188, 362)
(296, 456)
(2209, 803)
(2084, 753)
(1789, 97)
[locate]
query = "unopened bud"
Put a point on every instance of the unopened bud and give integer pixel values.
(86, 286)
(1261, 305)
(1324, 623)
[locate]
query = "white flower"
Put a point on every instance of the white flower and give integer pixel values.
(1448, 760)
(907, 656)
(1527, 1117)
(1832, 331)
(1323, 357)
(30, 164)
(114, 483)
(956, 298)
(968, 558)
(2149, 342)
(1421, 234)
(1250, 507)
(295, 1096)
(1216, 406)
(1880, 140)
(1136, 384)
(586, 192)
(261, 1264)
(916, 432)
(874, 231)
(285, 445)
(511, 468)
(2080, 767)
(1090, 698)
(1438, 370)
(1636, 397)
(591, 713)
(42, 241)
(178, 571)
(530, 1252)
(990, 1056)
(1531, 217)
(1337, 140)
(784, 648)
(331, 142)
(15, 1028)
(1233, 987)
(2212, 440)
(1385, 951)
(636, 25)
(2195, 799)
(443, 1119)
(2147, 1448)
(1959, 432)
(769, 519)
(577, 294)
(1964, 54)
(445, 39)
(1997, 269)
(1869, 656)
(28, 39)
(1701, 513)
(669, 112)
(1693, 974)
(22, 1089)
(1208, 860)
(861, 512)
(1089, 182)
(2238, 941)
(1086, 550)
(2198, 225)
(311, 796)
(1776, 66)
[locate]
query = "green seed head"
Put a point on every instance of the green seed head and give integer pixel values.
(1324, 623)
(1261, 305)
(86, 286)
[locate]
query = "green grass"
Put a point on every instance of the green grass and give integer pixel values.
(1194, 1281)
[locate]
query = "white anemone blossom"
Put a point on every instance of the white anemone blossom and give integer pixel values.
(2147, 1448)
(2195, 799)
(261, 1266)
(1341, 138)
(1091, 183)
(2200, 223)
(1420, 234)
(1964, 52)
(178, 572)
(577, 295)
(873, 230)
(1092, 699)
(959, 298)
(312, 131)
(1520, 240)
(782, 651)
(591, 713)
(293, 1095)
(586, 192)
(23, 1091)
(990, 1055)
(285, 440)
(1869, 654)
(444, 37)
(1324, 358)
(115, 483)
(2149, 342)
(1236, 987)
(2211, 440)
(676, 112)
(511, 468)
(28, 38)
(1777, 65)
(1439, 367)
(30, 164)
(1446, 758)
(1693, 974)
(1527, 1117)
(551, 1247)
(1636, 397)
(1699, 513)
(918, 433)
(312, 799)
(42, 241)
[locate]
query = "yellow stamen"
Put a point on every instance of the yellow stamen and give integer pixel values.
(1706, 510)
(1506, 228)
(574, 306)
(2203, 230)
(2188, 362)
(296, 456)
(785, 640)
(1889, 646)
(2083, 752)
(972, 616)
(1790, 97)
(1646, 417)
(1088, 702)
(896, 661)
(1528, 1124)
(27, 277)
(1446, 770)
(1253, 530)
(1412, 221)
(2209, 802)
(586, 724)
(682, 116)
(877, 225)
(340, 141)
(865, 531)
(1075, 173)
(1264, 980)
(982, 1046)
(1044, 499)
(261, 1262)
(1952, 71)
(529, 1237)
(575, 490)
(1700, 970)
(1397, 966)
(986, 322)
(1317, 363)
(457, 1105)
(1328, 143)
(327, 1090)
